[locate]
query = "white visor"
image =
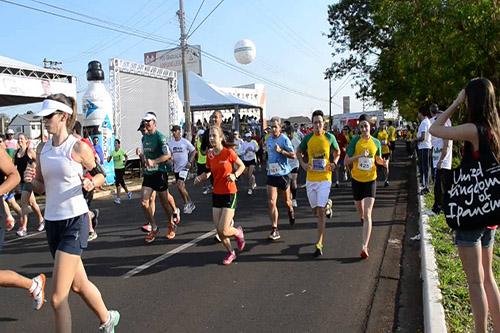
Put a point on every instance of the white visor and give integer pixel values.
(149, 116)
(50, 106)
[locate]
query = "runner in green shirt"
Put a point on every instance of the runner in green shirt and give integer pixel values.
(119, 160)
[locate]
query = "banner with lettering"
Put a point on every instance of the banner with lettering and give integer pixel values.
(472, 196)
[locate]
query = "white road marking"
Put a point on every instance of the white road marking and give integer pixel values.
(164, 256)
(21, 238)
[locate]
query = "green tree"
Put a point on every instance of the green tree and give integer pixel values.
(411, 53)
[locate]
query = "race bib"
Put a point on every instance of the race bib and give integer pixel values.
(319, 164)
(274, 168)
(183, 174)
(365, 163)
(152, 168)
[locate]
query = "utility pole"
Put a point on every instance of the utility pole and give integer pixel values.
(185, 77)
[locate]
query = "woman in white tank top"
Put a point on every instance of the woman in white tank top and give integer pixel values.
(58, 173)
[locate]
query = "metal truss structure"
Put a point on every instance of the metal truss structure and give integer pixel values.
(119, 65)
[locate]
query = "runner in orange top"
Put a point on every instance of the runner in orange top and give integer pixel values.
(220, 160)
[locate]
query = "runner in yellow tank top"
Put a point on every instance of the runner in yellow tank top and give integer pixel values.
(383, 137)
(363, 153)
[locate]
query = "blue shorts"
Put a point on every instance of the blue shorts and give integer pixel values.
(70, 235)
(475, 237)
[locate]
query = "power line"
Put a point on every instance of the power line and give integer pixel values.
(197, 12)
(213, 10)
(159, 39)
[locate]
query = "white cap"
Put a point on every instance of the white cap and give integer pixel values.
(50, 106)
(149, 116)
(10, 131)
(201, 132)
(248, 135)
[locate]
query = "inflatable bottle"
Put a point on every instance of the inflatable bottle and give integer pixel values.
(98, 111)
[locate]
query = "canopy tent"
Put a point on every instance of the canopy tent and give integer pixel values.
(23, 83)
(206, 97)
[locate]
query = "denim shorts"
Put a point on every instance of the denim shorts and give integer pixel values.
(474, 237)
(69, 236)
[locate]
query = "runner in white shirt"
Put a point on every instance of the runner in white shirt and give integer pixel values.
(442, 150)
(247, 150)
(183, 154)
(294, 163)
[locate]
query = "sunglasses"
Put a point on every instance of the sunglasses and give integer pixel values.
(147, 121)
(51, 115)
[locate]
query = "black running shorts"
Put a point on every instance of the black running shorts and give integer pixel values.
(158, 181)
(280, 182)
(224, 200)
(361, 190)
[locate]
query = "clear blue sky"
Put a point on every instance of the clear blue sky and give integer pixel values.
(291, 47)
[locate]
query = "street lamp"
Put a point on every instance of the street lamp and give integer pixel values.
(328, 76)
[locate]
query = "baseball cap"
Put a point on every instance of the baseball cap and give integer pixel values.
(50, 106)
(200, 132)
(10, 131)
(149, 116)
(248, 135)
(175, 128)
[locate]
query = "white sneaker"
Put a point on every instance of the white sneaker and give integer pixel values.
(294, 203)
(191, 207)
(250, 192)
(41, 226)
(129, 195)
(109, 326)
(185, 209)
(118, 201)
(22, 232)
(38, 293)
(254, 186)
(92, 236)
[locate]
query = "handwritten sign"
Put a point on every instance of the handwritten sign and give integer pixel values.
(473, 199)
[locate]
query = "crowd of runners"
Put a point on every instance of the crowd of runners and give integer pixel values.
(67, 169)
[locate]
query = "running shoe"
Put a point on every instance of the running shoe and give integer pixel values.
(146, 228)
(151, 236)
(240, 239)
(337, 184)
(254, 186)
(250, 191)
(176, 216)
(319, 250)
(171, 231)
(38, 293)
(129, 195)
(294, 203)
(275, 234)
(291, 217)
(364, 254)
(109, 326)
(10, 223)
(229, 258)
(118, 201)
(21, 232)
(386, 184)
(328, 209)
(95, 220)
(190, 207)
(208, 190)
(41, 226)
(92, 236)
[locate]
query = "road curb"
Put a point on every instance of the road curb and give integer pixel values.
(434, 319)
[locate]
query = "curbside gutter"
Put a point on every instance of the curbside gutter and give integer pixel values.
(434, 319)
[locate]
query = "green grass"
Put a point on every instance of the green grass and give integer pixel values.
(452, 281)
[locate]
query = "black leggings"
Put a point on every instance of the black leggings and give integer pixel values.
(119, 173)
(423, 166)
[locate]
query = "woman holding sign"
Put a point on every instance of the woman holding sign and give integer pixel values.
(475, 246)
(363, 153)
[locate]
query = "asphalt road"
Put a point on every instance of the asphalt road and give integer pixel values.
(271, 287)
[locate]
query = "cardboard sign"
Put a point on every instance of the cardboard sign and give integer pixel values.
(472, 198)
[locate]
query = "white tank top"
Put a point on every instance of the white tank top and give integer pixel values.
(63, 186)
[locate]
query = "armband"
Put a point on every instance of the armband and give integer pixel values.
(97, 170)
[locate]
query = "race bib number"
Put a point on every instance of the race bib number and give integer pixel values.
(319, 164)
(183, 174)
(274, 168)
(365, 163)
(152, 168)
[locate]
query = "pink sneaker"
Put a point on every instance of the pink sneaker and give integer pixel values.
(229, 258)
(240, 239)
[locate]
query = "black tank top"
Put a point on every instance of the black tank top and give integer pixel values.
(22, 162)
